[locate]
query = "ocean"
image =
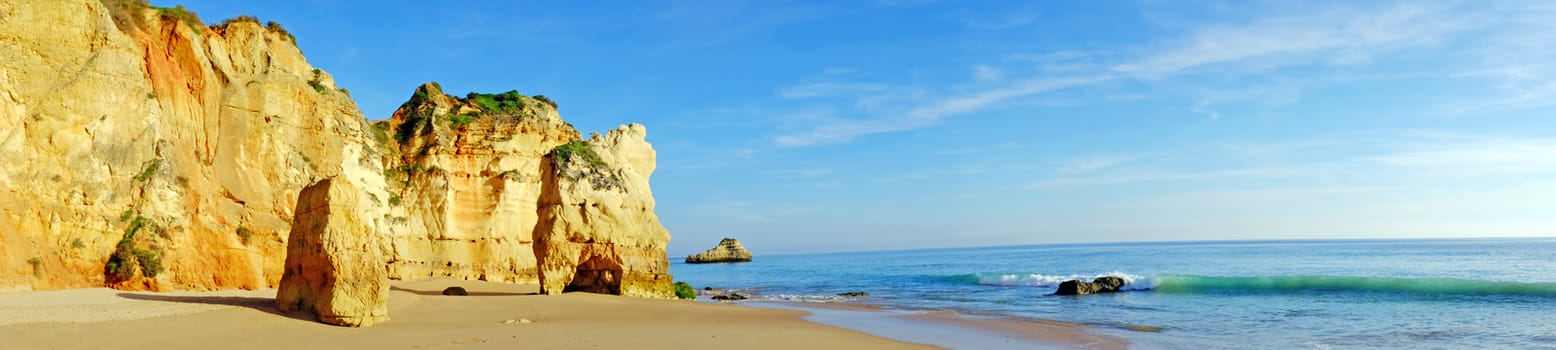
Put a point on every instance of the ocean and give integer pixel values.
(1312, 294)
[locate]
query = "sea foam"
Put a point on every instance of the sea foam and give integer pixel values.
(1131, 282)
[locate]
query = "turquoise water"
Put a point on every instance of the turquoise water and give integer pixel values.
(1386, 294)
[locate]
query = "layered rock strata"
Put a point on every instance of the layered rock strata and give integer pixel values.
(728, 250)
(144, 149)
(334, 258)
(466, 183)
(597, 230)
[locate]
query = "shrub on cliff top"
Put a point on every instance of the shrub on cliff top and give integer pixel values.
(546, 100)
(510, 101)
(684, 290)
(577, 150)
(182, 15)
(276, 27)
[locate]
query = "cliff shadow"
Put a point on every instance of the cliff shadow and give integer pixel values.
(468, 293)
(261, 304)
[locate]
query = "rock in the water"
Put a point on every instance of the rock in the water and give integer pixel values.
(729, 297)
(728, 250)
(854, 294)
(334, 258)
(1105, 284)
(455, 291)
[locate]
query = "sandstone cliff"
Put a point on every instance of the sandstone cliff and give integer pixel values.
(597, 230)
(466, 183)
(143, 149)
(728, 250)
(476, 177)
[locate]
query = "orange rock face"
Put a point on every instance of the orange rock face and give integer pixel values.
(203, 135)
(147, 151)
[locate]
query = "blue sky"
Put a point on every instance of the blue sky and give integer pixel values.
(869, 125)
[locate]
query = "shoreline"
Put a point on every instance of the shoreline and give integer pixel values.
(950, 329)
(494, 315)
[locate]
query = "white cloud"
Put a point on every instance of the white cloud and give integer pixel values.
(1144, 177)
(987, 73)
(1479, 157)
(1096, 162)
(842, 130)
(1203, 107)
(799, 173)
(1002, 20)
(1343, 35)
(830, 89)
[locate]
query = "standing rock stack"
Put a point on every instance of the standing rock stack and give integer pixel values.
(334, 259)
(728, 250)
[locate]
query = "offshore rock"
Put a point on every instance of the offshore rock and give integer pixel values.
(1105, 284)
(597, 230)
(334, 260)
(728, 250)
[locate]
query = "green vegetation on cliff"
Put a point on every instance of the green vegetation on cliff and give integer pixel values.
(576, 151)
(119, 264)
(507, 102)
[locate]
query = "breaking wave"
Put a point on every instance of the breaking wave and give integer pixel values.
(1131, 282)
(1189, 284)
(1433, 286)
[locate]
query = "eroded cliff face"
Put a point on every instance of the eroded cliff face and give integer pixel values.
(163, 154)
(597, 230)
(466, 181)
(142, 149)
(499, 187)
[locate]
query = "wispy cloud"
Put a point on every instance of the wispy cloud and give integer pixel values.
(1147, 177)
(833, 89)
(799, 173)
(993, 148)
(1400, 159)
(1005, 19)
(1095, 162)
(1496, 155)
(987, 73)
(1329, 36)
(1337, 36)
(841, 130)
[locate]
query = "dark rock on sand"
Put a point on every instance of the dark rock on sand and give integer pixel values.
(1105, 284)
(455, 291)
(854, 294)
(729, 297)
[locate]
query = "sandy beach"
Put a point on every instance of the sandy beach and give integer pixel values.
(494, 315)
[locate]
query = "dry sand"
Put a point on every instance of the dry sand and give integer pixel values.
(492, 316)
(421, 318)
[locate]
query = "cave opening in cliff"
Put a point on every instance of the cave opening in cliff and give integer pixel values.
(598, 274)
